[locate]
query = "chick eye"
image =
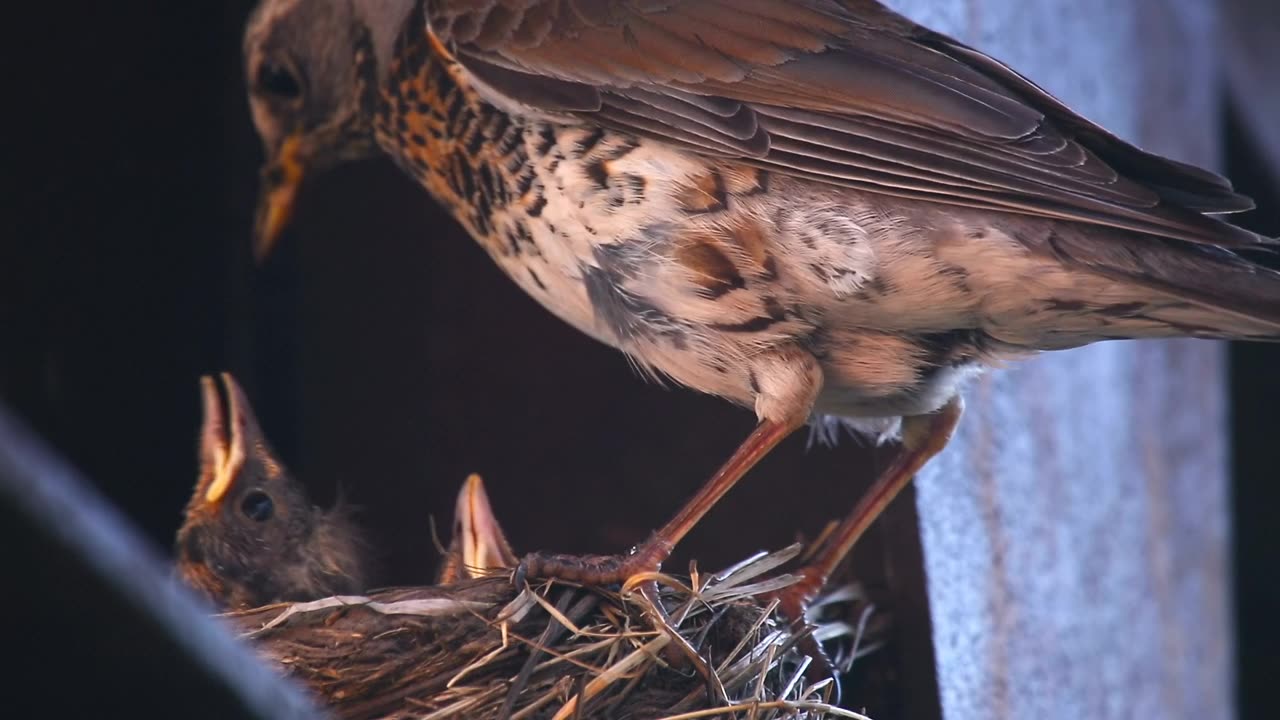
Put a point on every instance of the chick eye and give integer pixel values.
(257, 506)
(278, 80)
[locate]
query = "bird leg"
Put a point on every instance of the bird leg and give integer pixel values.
(923, 437)
(788, 380)
(649, 555)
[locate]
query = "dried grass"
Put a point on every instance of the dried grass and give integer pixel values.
(479, 649)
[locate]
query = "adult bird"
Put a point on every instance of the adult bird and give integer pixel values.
(807, 207)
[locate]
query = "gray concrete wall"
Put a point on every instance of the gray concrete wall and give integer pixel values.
(1076, 532)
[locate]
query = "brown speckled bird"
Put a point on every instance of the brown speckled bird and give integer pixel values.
(251, 537)
(808, 207)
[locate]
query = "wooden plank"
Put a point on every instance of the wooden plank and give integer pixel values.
(1076, 533)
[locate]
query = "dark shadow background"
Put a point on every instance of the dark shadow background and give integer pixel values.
(386, 354)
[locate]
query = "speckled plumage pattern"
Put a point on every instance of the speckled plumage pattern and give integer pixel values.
(809, 207)
(699, 268)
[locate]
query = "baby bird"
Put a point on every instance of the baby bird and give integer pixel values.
(806, 207)
(479, 547)
(250, 536)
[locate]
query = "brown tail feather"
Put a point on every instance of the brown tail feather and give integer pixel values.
(1241, 298)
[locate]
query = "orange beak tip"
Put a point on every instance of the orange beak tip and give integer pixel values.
(281, 178)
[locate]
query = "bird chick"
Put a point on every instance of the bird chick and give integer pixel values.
(479, 546)
(251, 536)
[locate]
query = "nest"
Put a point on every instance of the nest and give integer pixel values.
(480, 649)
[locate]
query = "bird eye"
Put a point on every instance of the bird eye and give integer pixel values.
(278, 80)
(257, 506)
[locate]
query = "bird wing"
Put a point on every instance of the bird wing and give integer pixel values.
(844, 92)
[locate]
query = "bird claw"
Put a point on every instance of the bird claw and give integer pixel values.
(593, 569)
(793, 603)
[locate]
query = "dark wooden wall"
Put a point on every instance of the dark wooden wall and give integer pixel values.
(383, 350)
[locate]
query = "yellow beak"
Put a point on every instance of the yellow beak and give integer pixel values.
(281, 178)
(479, 545)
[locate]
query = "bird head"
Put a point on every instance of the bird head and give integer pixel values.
(478, 546)
(312, 72)
(250, 535)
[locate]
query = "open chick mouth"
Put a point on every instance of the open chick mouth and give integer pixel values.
(222, 436)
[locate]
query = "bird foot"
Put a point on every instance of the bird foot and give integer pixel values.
(793, 602)
(594, 569)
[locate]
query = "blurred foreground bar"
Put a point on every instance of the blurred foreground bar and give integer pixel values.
(96, 628)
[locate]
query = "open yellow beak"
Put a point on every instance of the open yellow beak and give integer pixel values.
(281, 178)
(222, 439)
(479, 546)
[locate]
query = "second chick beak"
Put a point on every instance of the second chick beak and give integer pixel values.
(281, 178)
(479, 546)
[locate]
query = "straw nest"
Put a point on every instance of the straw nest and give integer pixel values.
(479, 649)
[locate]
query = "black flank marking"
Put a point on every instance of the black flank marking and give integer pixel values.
(513, 242)
(589, 141)
(719, 196)
(755, 383)
(721, 287)
(536, 280)
(439, 75)
(623, 313)
(774, 308)
(770, 268)
(950, 348)
(755, 324)
(454, 106)
(516, 161)
(623, 148)
(638, 184)
(475, 142)
(598, 173)
(1133, 309)
(546, 140)
(816, 343)
(510, 140)
(1066, 305)
(762, 184)
(480, 219)
(483, 212)
(537, 207)
(880, 285)
(958, 275)
(486, 180)
(466, 179)
(417, 139)
(499, 123)
(524, 181)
